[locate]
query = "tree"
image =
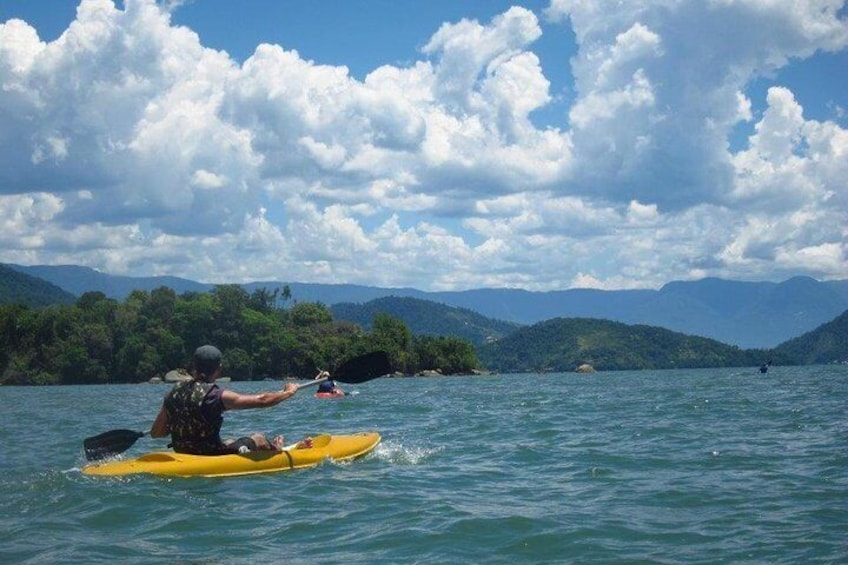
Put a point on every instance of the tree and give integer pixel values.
(306, 314)
(137, 361)
(449, 355)
(159, 309)
(239, 365)
(231, 300)
(265, 301)
(12, 324)
(194, 318)
(391, 334)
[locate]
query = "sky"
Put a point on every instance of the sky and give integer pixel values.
(438, 145)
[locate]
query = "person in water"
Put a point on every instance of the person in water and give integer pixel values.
(192, 412)
(329, 386)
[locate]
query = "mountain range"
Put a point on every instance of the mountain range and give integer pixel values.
(745, 314)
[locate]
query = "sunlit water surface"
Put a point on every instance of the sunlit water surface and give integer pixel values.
(689, 466)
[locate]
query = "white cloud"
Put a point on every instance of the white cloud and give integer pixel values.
(659, 87)
(19, 49)
(127, 145)
(821, 258)
(468, 49)
(206, 179)
(53, 147)
(22, 218)
(641, 214)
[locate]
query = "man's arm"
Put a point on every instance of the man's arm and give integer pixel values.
(235, 401)
(160, 424)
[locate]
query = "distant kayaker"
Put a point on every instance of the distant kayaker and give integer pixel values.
(329, 386)
(192, 412)
(765, 367)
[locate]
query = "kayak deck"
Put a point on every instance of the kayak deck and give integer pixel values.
(170, 464)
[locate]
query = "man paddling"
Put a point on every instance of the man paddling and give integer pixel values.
(192, 412)
(328, 386)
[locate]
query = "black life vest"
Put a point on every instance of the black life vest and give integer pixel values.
(192, 431)
(326, 386)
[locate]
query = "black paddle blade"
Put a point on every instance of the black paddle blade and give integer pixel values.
(109, 443)
(363, 368)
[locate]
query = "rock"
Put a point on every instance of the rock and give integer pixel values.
(177, 376)
(585, 368)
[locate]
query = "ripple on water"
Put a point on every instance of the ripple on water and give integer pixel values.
(660, 467)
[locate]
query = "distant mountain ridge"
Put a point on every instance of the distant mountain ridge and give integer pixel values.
(20, 288)
(745, 314)
(424, 317)
(79, 280)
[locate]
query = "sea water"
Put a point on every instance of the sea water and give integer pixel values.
(686, 466)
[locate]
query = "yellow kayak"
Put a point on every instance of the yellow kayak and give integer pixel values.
(167, 463)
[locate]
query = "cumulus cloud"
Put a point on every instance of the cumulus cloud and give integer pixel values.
(127, 145)
(659, 86)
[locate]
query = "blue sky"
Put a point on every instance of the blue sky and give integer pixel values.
(438, 145)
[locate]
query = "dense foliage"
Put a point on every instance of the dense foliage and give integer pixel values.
(427, 318)
(101, 340)
(562, 344)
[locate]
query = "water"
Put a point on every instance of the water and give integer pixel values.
(695, 466)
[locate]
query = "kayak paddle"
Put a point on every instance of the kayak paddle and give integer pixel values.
(357, 370)
(110, 443)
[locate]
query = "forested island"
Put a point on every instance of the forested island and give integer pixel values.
(100, 340)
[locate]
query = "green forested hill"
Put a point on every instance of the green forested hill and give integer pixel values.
(20, 288)
(562, 344)
(826, 344)
(424, 317)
